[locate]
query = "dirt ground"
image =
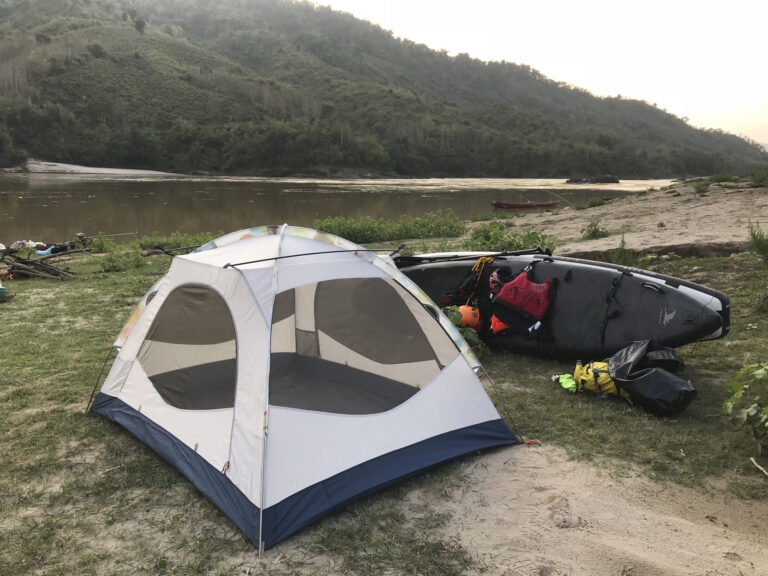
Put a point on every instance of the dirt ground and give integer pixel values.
(531, 511)
(699, 224)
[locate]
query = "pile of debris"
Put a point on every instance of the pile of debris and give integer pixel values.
(14, 266)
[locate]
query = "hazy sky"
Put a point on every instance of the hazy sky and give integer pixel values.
(704, 60)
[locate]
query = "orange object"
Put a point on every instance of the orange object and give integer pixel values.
(470, 316)
(497, 325)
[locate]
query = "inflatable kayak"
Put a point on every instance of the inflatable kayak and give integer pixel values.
(597, 309)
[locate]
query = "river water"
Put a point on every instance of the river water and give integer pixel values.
(53, 207)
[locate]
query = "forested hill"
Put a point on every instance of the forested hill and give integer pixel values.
(278, 87)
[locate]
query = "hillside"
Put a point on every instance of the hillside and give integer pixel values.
(279, 87)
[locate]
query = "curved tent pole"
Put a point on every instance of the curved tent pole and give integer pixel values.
(266, 395)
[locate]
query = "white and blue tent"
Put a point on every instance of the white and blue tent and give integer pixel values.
(285, 372)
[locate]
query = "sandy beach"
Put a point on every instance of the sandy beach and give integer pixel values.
(672, 219)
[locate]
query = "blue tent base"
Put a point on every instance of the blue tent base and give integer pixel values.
(303, 508)
(211, 482)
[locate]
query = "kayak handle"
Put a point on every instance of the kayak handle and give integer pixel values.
(652, 286)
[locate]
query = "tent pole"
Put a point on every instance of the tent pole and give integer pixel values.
(263, 476)
(266, 396)
(98, 378)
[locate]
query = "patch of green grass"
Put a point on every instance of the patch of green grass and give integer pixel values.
(759, 179)
(723, 177)
(758, 241)
(366, 230)
(173, 241)
(491, 215)
(591, 203)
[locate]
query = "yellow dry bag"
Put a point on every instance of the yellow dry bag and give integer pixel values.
(594, 377)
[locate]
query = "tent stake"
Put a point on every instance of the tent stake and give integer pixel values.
(98, 378)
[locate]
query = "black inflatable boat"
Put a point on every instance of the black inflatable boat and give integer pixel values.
(599, 308)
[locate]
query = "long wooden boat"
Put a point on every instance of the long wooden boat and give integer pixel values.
(524, 206)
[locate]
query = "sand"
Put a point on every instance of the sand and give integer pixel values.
(531, 511)
(673, 219)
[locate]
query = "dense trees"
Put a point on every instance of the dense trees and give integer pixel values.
(277, 87)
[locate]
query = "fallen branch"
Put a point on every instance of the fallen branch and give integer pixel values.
(16, 265)
(763, 470)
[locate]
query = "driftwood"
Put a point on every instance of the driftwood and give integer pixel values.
(17, 266)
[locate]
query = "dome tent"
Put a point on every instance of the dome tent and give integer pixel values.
(285, 372)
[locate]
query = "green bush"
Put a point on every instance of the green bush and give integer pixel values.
(758, 241)
(722, 177)
(701, 187)
(116, 261)
(593, 230)
(748, 404)
(102, 243)
(367, 230)
(623, 256)
(496, 237)
(759, 179)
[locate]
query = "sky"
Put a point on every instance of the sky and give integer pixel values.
(706, 61)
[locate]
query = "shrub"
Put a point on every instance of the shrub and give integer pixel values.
(118, 261)
(722, 177)
(593, 230)
(624, 256)
(759, 179)
(102, 243)
(496, 237)
(96, 50)
(701, 187)
(748, 404)
(367, 230)
(758, 241)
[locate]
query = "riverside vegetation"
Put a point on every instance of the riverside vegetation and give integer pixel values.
(278, 87)
(81, 495)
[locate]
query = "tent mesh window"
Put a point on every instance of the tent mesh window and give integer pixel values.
(353, 346)
(190, 352)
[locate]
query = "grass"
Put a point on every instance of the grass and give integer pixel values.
(758, 241)
(79, 495)
(593, 202)
(760, 178)
(367, 229)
